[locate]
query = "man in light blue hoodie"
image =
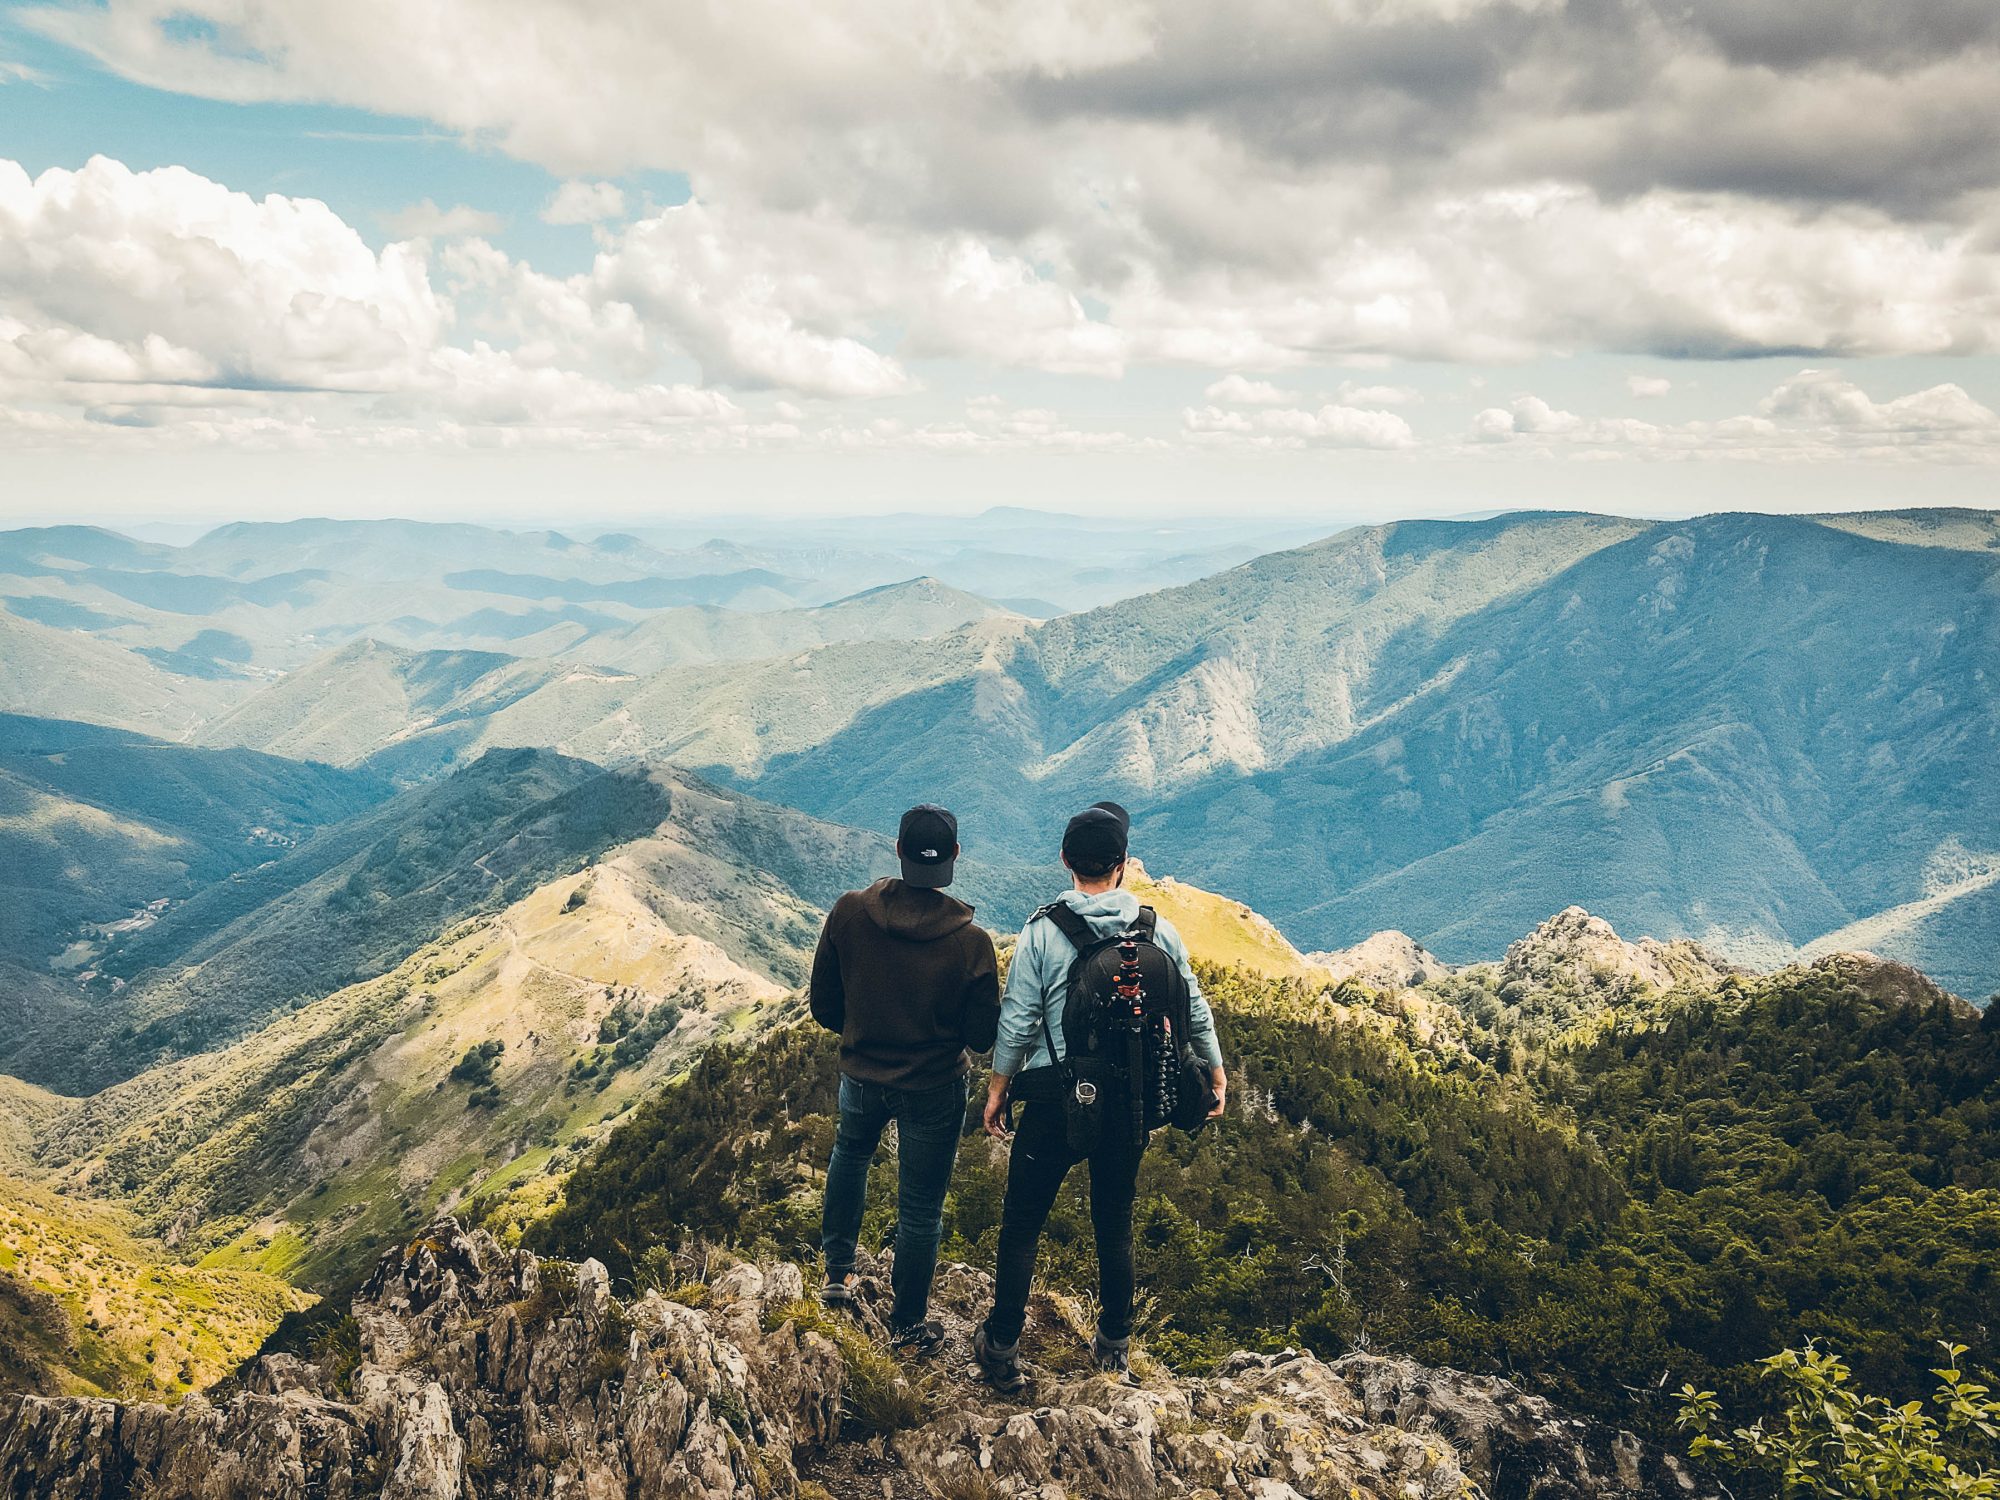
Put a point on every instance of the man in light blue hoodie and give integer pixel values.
(1094, 851)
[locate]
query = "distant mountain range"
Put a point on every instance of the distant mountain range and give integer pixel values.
(250, 600)
(1775, 734)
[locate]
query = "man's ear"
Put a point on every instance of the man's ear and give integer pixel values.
(956, 850)
(899, 848)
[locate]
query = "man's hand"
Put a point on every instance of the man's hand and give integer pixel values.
(1220, 1083)
(996, 1106)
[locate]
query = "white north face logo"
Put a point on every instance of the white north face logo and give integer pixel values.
(930, 854)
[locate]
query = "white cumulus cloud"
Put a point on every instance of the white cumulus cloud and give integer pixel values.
(584, 203)
(425, 220)
(1297, 427)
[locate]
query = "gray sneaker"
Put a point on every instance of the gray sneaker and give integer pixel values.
(1113, 1356)
(999, 1368)
(839, 1292)
(919, 1338)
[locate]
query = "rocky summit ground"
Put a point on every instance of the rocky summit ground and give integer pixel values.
(472, 1371)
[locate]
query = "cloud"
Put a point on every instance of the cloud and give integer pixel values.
(1648, 385)
(425, 220)
(1816, 416)
(169, 276)
(1825, 398)
(585, 203)
(1294, 427)
(755, 310)
(1160, 182)
(164, 299)
(1235, 390)
(1527, 415)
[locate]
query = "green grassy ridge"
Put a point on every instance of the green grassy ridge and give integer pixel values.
(89, 1306)
(1670, 1187)
(297, 1148)
(348, 905)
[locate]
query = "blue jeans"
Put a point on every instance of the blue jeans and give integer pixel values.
(928, 1124)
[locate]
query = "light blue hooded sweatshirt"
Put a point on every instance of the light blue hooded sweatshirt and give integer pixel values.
(1038, 982)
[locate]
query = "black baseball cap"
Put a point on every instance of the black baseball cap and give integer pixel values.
(927, 841)
(1124, 818)
(1094, 842)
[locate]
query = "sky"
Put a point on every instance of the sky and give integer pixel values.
(529, 261)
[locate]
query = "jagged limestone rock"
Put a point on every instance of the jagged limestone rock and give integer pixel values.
(1585, 949)
(481, 1372)
(487, 1372)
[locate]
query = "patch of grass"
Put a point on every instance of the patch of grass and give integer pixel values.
(337, 1351)
(968, 1484)
(881, 1395)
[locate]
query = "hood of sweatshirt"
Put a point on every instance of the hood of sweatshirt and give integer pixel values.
(913, 913)
(1106, 912)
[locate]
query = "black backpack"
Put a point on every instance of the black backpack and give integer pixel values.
(1127, 1026)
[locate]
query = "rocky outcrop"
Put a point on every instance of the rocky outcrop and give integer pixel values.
(1286, 1426)
(1890, 983)
(1388, 960)
(484, 1372)
(1577, 948)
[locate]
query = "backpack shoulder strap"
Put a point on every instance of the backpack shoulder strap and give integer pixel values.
(1069, 924)
(1147, 924)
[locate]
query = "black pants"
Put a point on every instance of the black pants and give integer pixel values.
(1035, 1173)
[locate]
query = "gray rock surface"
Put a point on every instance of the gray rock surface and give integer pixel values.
(482, 1372)
(485, 1372)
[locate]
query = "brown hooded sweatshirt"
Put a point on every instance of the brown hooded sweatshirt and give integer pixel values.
(909, 982)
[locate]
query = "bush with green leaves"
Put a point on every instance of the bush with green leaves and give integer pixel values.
(476, 1067)
(1834, 1442)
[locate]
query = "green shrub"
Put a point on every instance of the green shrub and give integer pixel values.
(1833, 1441)
(476, 1067)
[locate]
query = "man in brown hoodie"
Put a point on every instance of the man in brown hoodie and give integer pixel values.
(910, 983)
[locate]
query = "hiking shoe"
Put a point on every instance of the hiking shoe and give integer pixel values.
(1113, 1356)
(999, 1368)
(839, 1292)
(919, 1338)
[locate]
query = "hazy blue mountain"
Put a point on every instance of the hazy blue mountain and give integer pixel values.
(1740, 728)
(1759, 731)
(915, 609)
(251, 601)
(363, 697)
(56, 672)
(97, 825)
(1748, 729)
